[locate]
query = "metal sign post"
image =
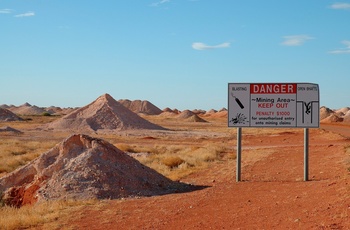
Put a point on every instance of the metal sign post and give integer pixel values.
(273, 105)
(306, 154)
(239, 151)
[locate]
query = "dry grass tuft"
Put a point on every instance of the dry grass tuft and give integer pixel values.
(177, 162)
(15, 153)
(347, 149)
(39, 214)
(126, 148)
(172, 161)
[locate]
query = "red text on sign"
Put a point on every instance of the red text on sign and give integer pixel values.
(273, 88)
(265, 105)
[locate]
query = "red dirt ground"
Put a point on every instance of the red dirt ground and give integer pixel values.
(271, 195)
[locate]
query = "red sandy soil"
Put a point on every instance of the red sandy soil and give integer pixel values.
(271, 195)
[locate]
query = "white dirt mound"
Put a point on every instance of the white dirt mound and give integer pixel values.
(53, 110)
(325, 112)
(221, 113)
(199, 111)
(185, 114)
(27, 109)
(7, 115)
(66, 111)
(138, 106)
(190, 116)
(8, 129)
(4, 106)
(343, 110)
(167, 113)
(82, 167)
(347, 117)
(195, 118)
(168, 110)
(103, 114)
(212, 111)
(332, 118)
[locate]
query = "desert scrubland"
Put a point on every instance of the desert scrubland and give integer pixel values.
(129, 165)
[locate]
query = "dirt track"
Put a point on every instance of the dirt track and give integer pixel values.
(272, 194)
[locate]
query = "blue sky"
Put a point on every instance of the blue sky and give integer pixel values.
(173, 53)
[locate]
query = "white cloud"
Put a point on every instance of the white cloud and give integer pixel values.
(345, 50)
(5, 11)
(28, 14)
(202, 46)
(346, 43)
(341, 6)
(295, 40)
(160, 2)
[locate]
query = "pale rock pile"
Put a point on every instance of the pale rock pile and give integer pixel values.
(138, 106)
(346, 117)
(188, 115)
(8, 129)
(82, 167)
(185, 114)
(211, 112)
(66, 111)
(167, 110)
(103, 114)
(7, 115)
(342, 111)
(216, 114)
(53, 110)
(168, 113)
(325, 112)
(221, 113)
(176, 111)
(332, 118)
(328, 115)
(4, 106)
(28, 109)
(199, 111)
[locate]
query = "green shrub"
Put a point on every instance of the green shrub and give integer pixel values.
(46, 114)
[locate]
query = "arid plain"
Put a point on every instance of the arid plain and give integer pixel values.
(193, 148)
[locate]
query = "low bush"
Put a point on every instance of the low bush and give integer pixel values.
(47, 114)
(172, 161)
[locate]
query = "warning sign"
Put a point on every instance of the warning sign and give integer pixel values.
(273, 105)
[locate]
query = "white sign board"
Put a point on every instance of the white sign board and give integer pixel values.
(273, 105)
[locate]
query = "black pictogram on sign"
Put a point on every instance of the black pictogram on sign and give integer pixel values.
(238, 101)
